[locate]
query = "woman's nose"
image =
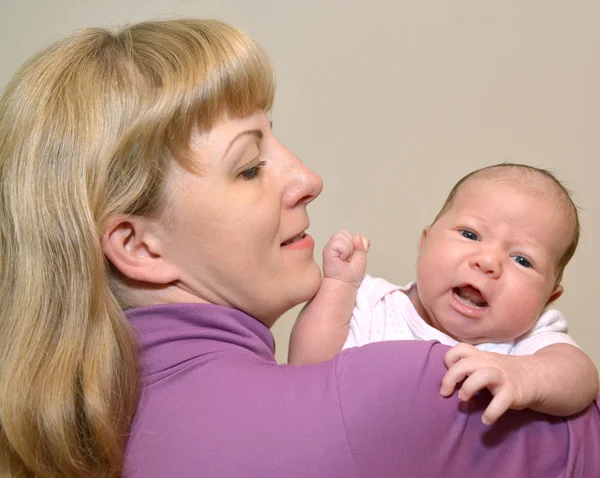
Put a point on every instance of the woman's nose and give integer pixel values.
(488, 263)
(304, 185)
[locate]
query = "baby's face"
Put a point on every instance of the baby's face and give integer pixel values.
(487, 266)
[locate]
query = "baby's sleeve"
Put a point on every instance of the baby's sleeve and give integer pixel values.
(550, 328)
(361, 321)
(370, 318)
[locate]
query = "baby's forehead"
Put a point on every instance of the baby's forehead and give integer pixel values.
(523, 180)
(532, 183)
(489, 196)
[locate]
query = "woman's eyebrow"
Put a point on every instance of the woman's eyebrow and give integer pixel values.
(252, 132)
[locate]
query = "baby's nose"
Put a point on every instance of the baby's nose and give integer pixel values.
(488, 264)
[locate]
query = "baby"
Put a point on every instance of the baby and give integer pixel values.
(488, 267)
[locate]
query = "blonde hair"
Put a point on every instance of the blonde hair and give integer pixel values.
(88, 128)
(528, 177)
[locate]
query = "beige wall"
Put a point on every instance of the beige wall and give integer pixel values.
(391, 102)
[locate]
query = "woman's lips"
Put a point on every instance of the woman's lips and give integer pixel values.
(301, 241)
(294, 239)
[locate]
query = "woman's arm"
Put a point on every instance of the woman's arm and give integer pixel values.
(397, 422)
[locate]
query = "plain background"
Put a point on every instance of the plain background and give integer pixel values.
(391, 102)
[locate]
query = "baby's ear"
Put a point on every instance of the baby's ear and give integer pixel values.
(556, 294)
(423, 237)
(132, 245)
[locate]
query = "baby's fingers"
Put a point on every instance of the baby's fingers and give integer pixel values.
(458, 353)
(340, 246)
(497, 407)
(451, 378)
(360, 243)
(457, 372)
(478, 380)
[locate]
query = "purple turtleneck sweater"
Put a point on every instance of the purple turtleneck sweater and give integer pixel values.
(216, 404)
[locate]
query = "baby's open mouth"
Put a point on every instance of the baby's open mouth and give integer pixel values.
(470, 295)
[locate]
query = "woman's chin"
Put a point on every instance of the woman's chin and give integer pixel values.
(313, 282)
(305, 286)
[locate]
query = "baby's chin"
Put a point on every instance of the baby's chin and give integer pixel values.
(478, 340)
(478, 336)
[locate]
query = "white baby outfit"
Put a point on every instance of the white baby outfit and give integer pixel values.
(384, 311)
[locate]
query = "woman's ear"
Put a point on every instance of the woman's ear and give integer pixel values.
(134, 248)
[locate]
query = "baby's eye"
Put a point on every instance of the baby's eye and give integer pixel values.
(252, 172)
(469, 234)
(522, 261)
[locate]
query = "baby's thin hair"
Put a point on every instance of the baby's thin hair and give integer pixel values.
(532, 174)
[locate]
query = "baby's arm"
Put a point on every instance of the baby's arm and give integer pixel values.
(558, 379)
(322, 327)
(568, 380)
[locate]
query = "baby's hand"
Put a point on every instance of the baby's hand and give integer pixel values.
(345, 257)
(507, 377)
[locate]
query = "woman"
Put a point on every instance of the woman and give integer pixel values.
(139, 172)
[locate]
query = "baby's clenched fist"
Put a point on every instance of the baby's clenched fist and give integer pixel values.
(345, 257)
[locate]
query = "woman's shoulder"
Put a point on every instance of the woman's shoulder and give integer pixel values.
(371, 411)
(390, 401)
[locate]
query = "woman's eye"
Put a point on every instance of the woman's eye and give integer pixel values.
(252, 172)
(522, 261)
(469, 234)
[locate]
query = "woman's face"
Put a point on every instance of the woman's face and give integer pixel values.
(236, 230)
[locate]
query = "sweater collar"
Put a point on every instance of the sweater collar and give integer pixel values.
(171, 334)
